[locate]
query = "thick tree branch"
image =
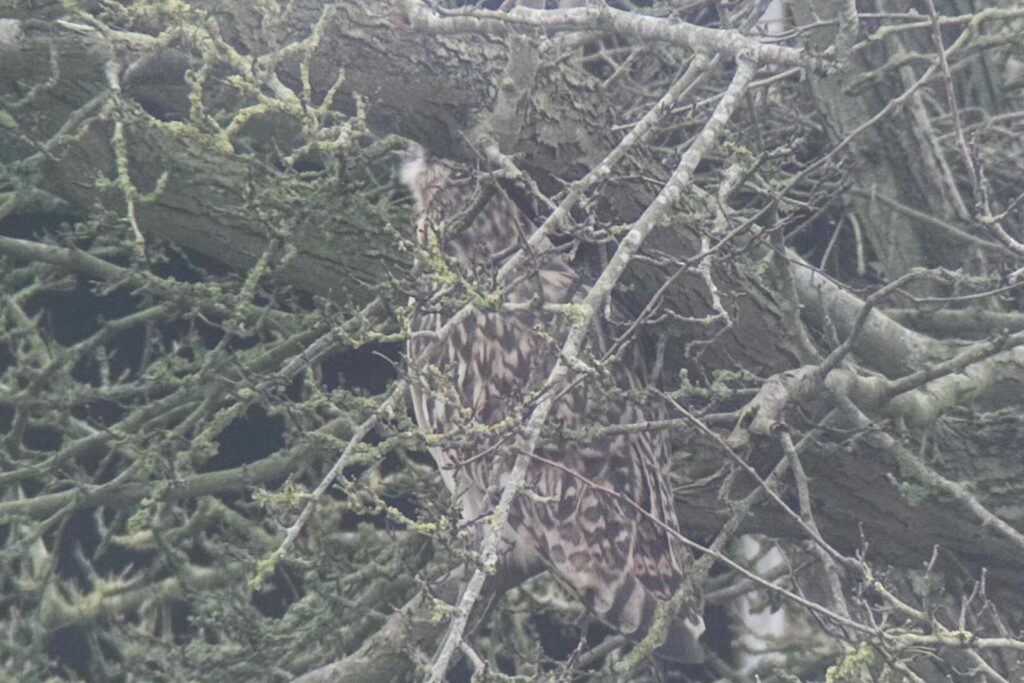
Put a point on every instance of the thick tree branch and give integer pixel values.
(611, 20)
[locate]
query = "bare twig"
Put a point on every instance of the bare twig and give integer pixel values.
(832, 572)
(386, 407)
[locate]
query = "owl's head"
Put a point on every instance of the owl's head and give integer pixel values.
(423, 175)
(462, 209)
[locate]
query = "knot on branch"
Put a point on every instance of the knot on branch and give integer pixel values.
(763, 416)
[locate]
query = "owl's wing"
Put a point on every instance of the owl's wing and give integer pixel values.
(617, 560)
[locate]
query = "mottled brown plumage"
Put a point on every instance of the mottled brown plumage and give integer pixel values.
(486, 372)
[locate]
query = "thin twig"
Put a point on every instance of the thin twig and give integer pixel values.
(835, 584)
(387, 406)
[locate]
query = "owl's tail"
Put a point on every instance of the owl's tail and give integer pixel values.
(682, 644)
(633, 610)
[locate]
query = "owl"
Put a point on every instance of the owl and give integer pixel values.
(474, 387)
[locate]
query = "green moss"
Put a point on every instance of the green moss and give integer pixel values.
(289, 496)
(575, 313)
(856, 666)
(265, 568)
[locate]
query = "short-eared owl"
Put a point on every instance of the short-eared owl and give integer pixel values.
(477, 387)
